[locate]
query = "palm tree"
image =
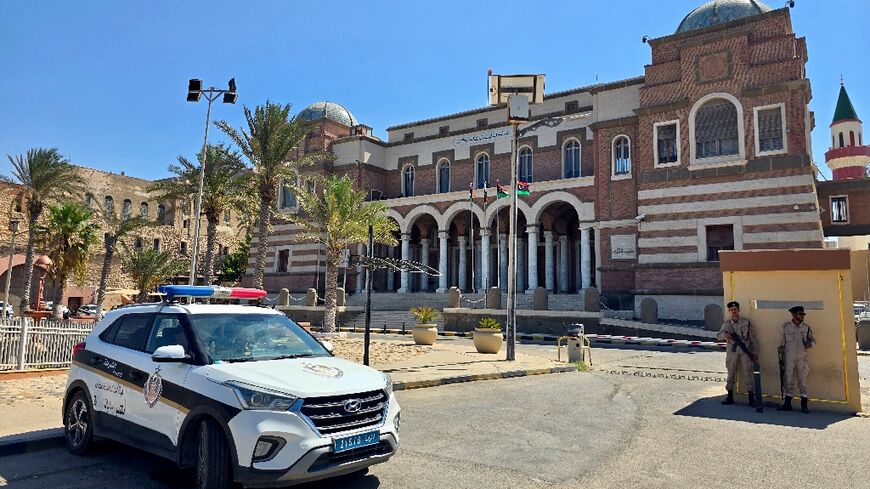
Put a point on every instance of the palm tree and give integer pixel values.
(149, 267)
(70, 235)
(46, 177)
(268, 143)
(224, 188)
(114, 229)
(338, 216)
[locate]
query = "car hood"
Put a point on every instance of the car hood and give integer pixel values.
(302, 377)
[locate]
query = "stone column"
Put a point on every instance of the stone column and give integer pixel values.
(502, 261)
(532, 265)
(521, 266)
(484, 260)
(463, 266)
(406, 254)
(585, 258)
(549, 262)
(563, 263)
(360, 271)
(424, 260)
(390, 275)
(442, 261)
(578, 281)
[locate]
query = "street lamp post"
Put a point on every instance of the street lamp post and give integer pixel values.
(13, 226)
(194, 92)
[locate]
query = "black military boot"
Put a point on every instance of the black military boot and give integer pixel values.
(751, 398)
(804, 408)
(786, 404)
(729, 399)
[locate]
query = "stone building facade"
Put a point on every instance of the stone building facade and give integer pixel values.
(174, 230)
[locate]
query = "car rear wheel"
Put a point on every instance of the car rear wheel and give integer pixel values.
(213, 457)
(78, 424)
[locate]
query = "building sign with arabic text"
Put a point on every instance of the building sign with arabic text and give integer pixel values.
(623, 247)
(482, 137)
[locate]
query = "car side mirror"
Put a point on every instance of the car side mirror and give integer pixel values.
(328, 346)
(170, 353)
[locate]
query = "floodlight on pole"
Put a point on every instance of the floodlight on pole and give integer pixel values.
(194, 92)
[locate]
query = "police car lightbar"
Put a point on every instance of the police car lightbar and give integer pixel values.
(211, 291)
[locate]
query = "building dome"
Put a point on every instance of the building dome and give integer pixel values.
(720, 12)
(331, 111)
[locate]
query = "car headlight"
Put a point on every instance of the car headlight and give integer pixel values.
(253, 397)
(389, 386)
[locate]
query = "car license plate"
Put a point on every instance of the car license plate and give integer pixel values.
(356, 441)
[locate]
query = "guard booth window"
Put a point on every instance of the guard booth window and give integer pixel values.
(719, 237)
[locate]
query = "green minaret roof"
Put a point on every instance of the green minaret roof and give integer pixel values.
(845, 110)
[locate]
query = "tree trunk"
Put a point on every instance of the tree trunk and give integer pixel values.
(262, 245)
(58, 299)
(332, 261)
(210, 232)
(109, 243)
(28, 262)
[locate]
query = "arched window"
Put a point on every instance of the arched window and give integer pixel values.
(524, 165)
(841, 140)
(161, 214)
(143, 209)
(621, 155)
(89, 200)
(138, 243)
(408, 181)
(108, 204)
(287, 199)
(227, 216)
(126, 208)
(571, 159)
(443, 176)
(482, 170)
(716, 129)
(851, 138)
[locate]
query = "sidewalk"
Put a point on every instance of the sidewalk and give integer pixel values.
(31, 407)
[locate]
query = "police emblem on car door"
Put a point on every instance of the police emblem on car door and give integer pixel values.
(153, 388)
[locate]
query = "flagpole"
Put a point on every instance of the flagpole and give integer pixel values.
(471, 231)
(497, 241)
(485, 272)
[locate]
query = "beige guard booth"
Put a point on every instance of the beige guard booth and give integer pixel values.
(767, 283)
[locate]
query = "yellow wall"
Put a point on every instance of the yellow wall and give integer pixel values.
(833, 378)
(860, 275)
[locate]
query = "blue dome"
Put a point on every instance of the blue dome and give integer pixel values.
(720, 12)
(331, 111)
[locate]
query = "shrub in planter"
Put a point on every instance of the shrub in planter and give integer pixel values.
(425, 331)
(487, 336)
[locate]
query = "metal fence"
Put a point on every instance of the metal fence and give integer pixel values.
(25, 344)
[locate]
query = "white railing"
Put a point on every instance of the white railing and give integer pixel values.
(25, 344)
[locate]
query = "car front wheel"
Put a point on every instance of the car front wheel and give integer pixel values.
(78, 424)
(213, 457)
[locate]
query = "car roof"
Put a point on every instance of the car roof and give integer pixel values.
(175, 308)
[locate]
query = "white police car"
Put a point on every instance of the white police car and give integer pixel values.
(242, 393)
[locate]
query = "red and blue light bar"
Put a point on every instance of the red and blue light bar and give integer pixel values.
(211, 291)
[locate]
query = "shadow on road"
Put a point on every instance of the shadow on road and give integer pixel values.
(711, 408)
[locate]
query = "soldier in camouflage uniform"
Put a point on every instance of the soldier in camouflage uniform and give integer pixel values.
(736, 360)
(797, 338)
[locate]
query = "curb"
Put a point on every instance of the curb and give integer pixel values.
(31, 373)
(459, 379)
(27, 443)
(593, 338)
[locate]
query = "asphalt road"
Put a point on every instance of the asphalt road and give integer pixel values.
(577, 430)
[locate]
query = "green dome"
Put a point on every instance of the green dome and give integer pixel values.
(331, 111)
(720, 12)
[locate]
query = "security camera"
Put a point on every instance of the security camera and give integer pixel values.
(789, 4)
(640, 217)
(645, 39)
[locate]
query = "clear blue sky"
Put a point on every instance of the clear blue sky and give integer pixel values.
(105, 81)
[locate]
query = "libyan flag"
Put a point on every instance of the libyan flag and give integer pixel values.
(522, 188)
(500, 191)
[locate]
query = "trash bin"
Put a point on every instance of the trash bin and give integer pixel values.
(864, 334)
(574, 350)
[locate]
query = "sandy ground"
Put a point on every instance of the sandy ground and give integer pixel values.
(25, 400)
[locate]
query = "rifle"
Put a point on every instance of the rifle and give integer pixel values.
(756, 370)
(781, 353)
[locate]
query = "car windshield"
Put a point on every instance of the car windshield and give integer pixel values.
(251, 337)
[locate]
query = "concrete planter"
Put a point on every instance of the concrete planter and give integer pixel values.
(425, 334)
(487, 340)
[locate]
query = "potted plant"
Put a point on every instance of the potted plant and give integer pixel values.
(425, 331)
(487, 336)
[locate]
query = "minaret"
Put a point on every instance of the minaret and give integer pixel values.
(848, 156)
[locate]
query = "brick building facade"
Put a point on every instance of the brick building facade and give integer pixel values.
(635, 185)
